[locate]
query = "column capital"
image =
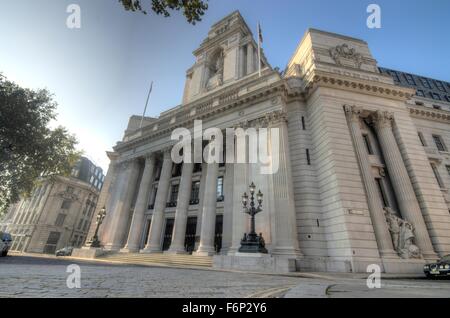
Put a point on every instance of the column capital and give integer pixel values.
(382, 119)
(149, 157)
(167, 152)
(353, 113)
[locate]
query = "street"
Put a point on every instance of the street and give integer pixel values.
(25, 276)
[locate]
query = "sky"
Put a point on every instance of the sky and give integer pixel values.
(100, 74)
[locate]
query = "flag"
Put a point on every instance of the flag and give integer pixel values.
(146, 103)
(260, 41)
(260, 37)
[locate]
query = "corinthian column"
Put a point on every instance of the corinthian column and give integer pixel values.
(181, 213)
(156, 226)
(285, 238)
(121, 207)
(380, 227)
(208, 228)
(407, 201)
(137, 223)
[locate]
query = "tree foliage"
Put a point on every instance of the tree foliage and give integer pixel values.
(193, 10)
(29, 149)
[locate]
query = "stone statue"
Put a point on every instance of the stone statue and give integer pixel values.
(216, 71)
(402, 233)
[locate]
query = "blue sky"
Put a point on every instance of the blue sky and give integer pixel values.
(100, 73)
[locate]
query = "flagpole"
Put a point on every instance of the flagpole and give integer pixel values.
(146, 103)
(259, 49)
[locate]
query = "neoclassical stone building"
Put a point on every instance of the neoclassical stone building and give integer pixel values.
(363, 166)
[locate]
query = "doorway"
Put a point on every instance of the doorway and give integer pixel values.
(189, 241)
(168, 234)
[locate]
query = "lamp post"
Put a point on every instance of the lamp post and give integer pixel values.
(252, 242)
(94, 241)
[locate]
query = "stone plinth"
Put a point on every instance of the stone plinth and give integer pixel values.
(255, 262)
(87, 252)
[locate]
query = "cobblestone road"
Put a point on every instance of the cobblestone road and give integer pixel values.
(22, 276)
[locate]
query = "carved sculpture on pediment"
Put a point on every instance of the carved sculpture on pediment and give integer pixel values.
(346, 56)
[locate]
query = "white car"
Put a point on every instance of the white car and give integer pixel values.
(5, 243)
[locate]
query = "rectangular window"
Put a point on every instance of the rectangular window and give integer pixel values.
(409, 79)
(60, 219)
(422, 139)
(195, 192)
(303, 123)
(438, 177)
(439, 85)
(425, 82)
(394, 76)
(220, 196)
(80, 224)
(439, 143)
(383, 197)
(437, 107)
(174, 193)
(85, 226)
(448, 169)
(368, 145)
(66, 204)
(308, 159)
(435, 96)
(420, 92)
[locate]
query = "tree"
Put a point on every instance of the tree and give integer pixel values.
(29, 149)
(193, 10)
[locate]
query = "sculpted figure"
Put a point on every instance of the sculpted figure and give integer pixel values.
(402, 233)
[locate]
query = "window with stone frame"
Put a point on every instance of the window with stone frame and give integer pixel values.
(422, 139)
(409, 79)
(425, 82)
(60, 219)
(195, 193)
(435, 96)
(66, 204)
(439, 143)
(438, 177)
(80, 224)
(173, 195)
(439, 86)
(420, 92)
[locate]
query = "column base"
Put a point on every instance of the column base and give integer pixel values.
(130, 249)
(176, 252)
(150, 250)
(205, 251)
(111, 248)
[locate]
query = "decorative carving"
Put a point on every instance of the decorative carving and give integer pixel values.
(382, 119)
(346, 56)
(353, 112)
(402, 233)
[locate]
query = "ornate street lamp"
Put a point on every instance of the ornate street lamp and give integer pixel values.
(252, 242)
(94, 241)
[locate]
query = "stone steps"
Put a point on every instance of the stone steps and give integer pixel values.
(159, 258)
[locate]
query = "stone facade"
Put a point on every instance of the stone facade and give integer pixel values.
(354, 185)
(57, 214)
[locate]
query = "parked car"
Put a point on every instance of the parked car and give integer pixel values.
(440, 268)
(5, 243)
(66, 251)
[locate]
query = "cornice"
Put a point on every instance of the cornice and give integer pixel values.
(319, 78)
(423, 112)
(227, 99)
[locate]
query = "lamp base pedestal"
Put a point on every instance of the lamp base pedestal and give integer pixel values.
(253, 243)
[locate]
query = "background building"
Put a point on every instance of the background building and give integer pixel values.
(58, 213)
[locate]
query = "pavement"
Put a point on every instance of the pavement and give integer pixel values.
(24, 275)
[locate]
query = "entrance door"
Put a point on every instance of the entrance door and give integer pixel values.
(189, 241)
(146, 234)
(218, 235)
(168, 234)
(52, 241)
